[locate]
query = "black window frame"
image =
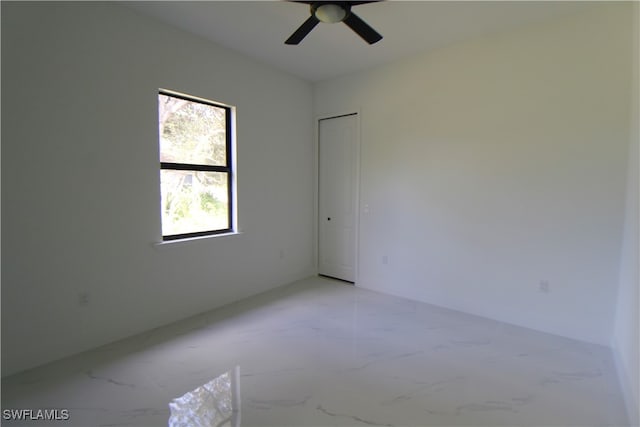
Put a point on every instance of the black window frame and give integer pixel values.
(228, 168)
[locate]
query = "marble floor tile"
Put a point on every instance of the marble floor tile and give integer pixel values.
(324, 353)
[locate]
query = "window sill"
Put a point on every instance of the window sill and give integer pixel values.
(178, 242)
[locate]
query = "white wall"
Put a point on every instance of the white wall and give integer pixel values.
(80, 194)
(495, 164)
(627, 333)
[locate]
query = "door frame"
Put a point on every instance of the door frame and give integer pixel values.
(316, 198)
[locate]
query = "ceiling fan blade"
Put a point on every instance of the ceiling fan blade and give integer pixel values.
(303, 30)
(363, 29)
(357, 3)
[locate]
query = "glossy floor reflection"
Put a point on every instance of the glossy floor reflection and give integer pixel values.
(216, 403)
(323, 353)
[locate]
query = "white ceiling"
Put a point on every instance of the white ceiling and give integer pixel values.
(259, 28)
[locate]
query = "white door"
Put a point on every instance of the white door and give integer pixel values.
(337, 201)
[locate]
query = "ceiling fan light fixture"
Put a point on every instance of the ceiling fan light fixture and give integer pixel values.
(330, 13)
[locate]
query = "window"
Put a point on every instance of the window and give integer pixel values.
(196, 174)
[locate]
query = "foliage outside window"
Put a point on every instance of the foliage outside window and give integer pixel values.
(195, 166)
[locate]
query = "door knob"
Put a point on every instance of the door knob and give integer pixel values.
(328, 219)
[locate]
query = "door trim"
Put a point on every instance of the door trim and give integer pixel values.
(316, 198)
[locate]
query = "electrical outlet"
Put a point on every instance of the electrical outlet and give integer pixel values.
(83, 299)
(544, 286)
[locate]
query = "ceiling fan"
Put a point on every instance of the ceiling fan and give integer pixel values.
(332, 12)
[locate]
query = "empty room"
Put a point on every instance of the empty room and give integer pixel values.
(279, 213)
